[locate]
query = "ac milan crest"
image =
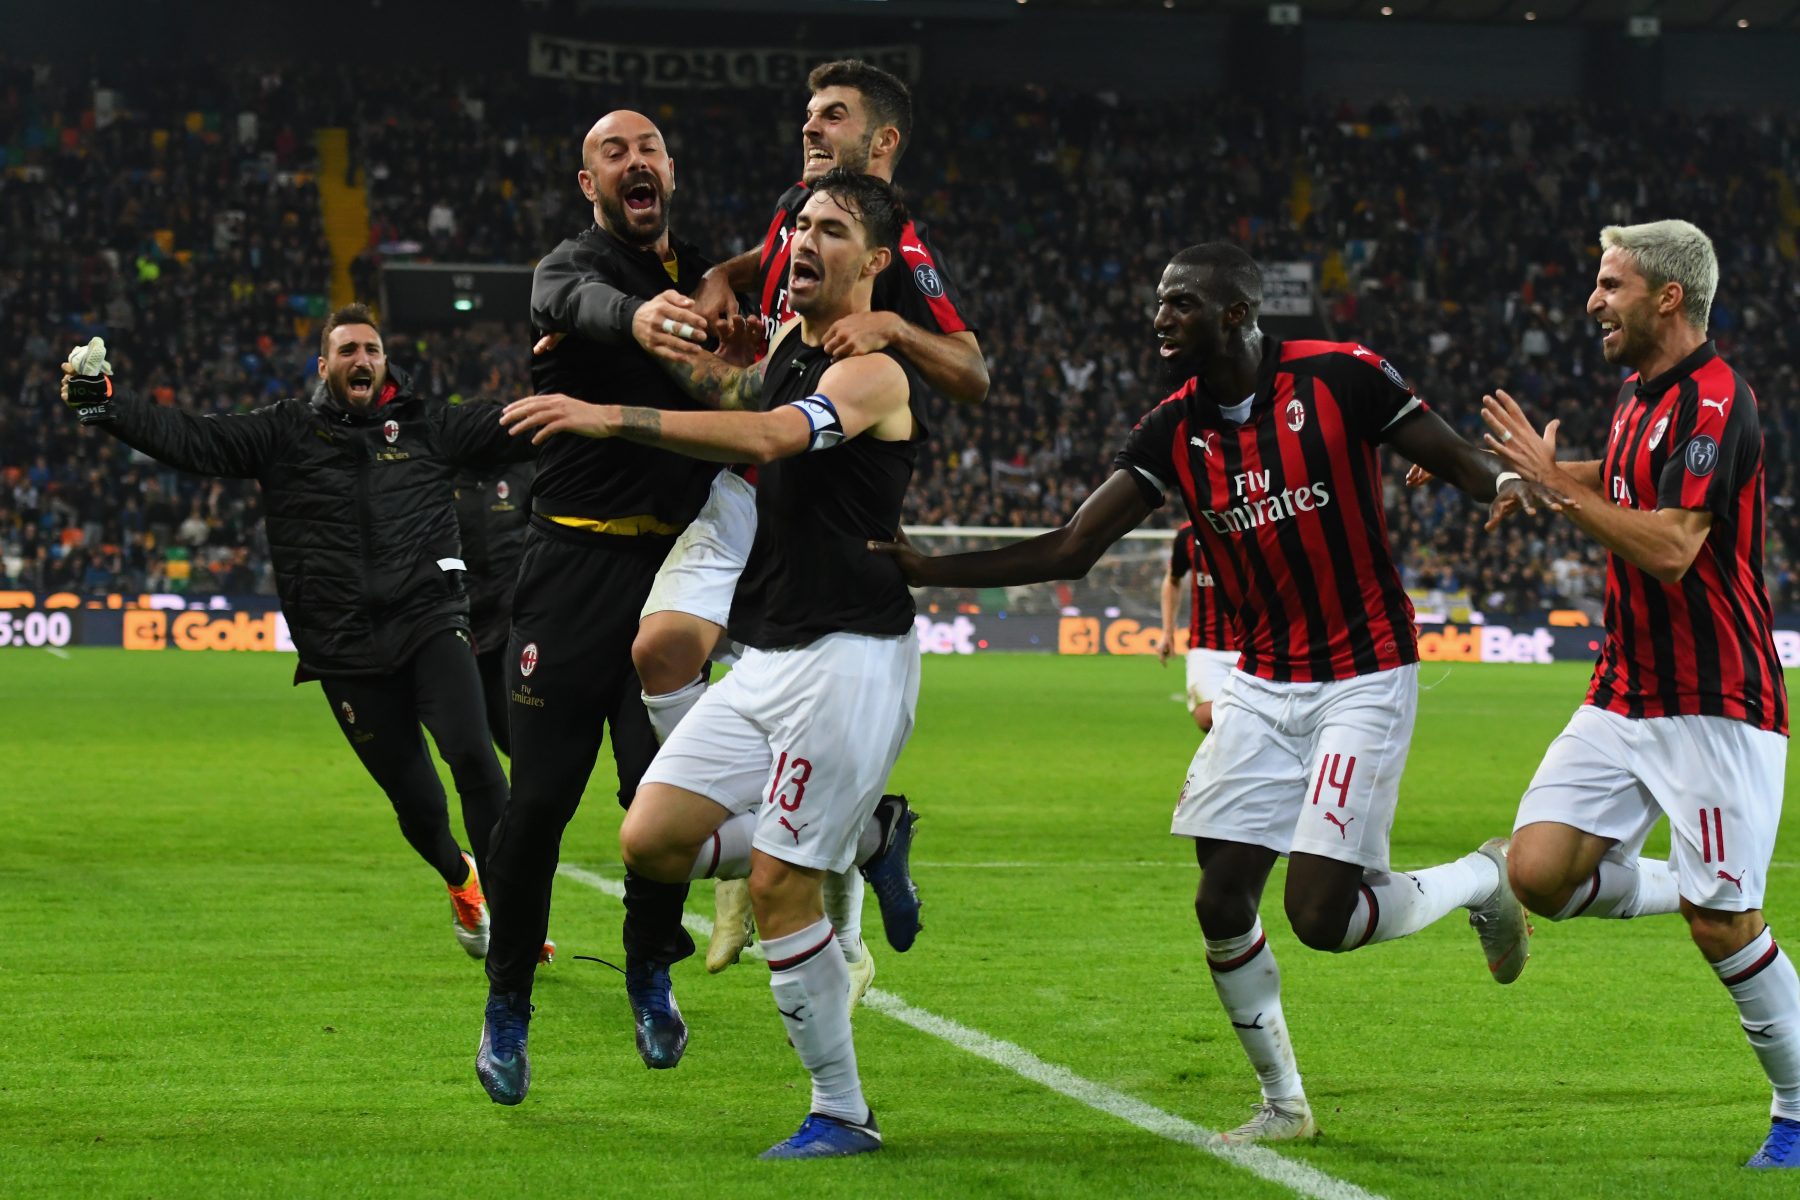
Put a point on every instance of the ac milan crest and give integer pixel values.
(502, 489)
(1296, 414)
(349, 713)
(1657, 432)
(528, 659)
(390, 430)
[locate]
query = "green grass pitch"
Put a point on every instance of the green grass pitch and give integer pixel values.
(222, 973)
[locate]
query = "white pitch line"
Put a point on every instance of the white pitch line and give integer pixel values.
(1260, 1161)
(54, 650)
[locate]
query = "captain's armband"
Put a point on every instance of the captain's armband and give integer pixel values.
(822, 415)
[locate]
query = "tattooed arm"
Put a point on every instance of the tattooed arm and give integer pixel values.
(718, 380)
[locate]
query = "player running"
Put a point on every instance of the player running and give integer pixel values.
(357, 483)
(1211, 643)
(778, 771)
(1272, 446)
(859, 119)
(1687, 714)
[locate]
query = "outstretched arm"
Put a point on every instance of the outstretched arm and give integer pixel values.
(235, 447)
(1429, 442)
(1171, 605)
(1116, 508)
(1663, 542)
(862, 394)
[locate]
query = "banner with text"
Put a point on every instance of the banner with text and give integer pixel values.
(700, 67)
(1288, 289)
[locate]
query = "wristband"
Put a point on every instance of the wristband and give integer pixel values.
(1502, 477)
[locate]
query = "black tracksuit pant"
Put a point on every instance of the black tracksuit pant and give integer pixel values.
(570, 679)
(493, 694)
(439, 688)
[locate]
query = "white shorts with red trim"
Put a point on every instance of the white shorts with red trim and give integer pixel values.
(700, 574)
(1208, 671)
(1304, 768)
(804, 737)
(1719, 782)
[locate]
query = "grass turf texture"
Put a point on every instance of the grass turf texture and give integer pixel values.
(223, 972)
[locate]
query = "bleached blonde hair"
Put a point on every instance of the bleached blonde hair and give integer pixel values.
(1671, 251)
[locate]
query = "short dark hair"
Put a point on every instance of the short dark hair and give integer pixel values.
(874, 202)
(889, 100)
(1234, 275)
(350, 314)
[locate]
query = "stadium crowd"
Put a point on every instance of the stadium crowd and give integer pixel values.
(177, 217)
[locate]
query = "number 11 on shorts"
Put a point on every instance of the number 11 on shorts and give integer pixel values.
(1712, 845)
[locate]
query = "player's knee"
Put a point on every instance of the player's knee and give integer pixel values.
(1319, 925)
(786, 899)
(1720, 934)
(1540, 883)
(666, 661)
(647, 852)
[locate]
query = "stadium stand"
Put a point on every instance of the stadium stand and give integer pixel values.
(177, 214)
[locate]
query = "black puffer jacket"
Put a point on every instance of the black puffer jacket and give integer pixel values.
(359, 509)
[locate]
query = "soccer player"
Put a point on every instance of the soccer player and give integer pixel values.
(1273, 448)
(1211, 644)
(492, 510)
(1687, 713)
(356, 481)
(604, 514)
(859, 118)
(778, 771)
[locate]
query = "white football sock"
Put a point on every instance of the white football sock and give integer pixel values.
(843, 908)
(1248, 981)
(811, 983)
(726, 854)
(1763, 982)
(1393, 904)
(1624, 890)
(667, 709)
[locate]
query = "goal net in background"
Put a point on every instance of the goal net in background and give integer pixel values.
(1116, 609)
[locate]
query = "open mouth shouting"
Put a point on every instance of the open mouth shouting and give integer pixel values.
(1612, 334)
(642, 196)
(359, 386)
(804, 274)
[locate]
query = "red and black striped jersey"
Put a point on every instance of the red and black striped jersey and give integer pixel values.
(1690, 439)
(1287, 507)
(915, 284)
(1209, 626)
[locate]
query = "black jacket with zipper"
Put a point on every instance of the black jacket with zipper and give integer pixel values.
(359, 510)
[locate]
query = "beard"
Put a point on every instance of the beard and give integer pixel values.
(854, 158)
(620, 219)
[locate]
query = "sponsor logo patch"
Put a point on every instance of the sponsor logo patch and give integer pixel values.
(928, 280)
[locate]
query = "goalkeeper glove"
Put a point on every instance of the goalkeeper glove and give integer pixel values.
(89, 390)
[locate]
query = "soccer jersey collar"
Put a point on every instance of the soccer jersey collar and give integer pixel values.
(1265, 388)
(1681, 370)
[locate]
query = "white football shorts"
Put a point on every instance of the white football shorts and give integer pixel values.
(700, 574)
(1307, 768)
(1719, 782)
(803, 737)
(1207, 673)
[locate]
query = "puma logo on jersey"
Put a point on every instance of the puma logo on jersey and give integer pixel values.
(1362, 352)
(1718, 404)
(1206, 442)
(914, 249)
